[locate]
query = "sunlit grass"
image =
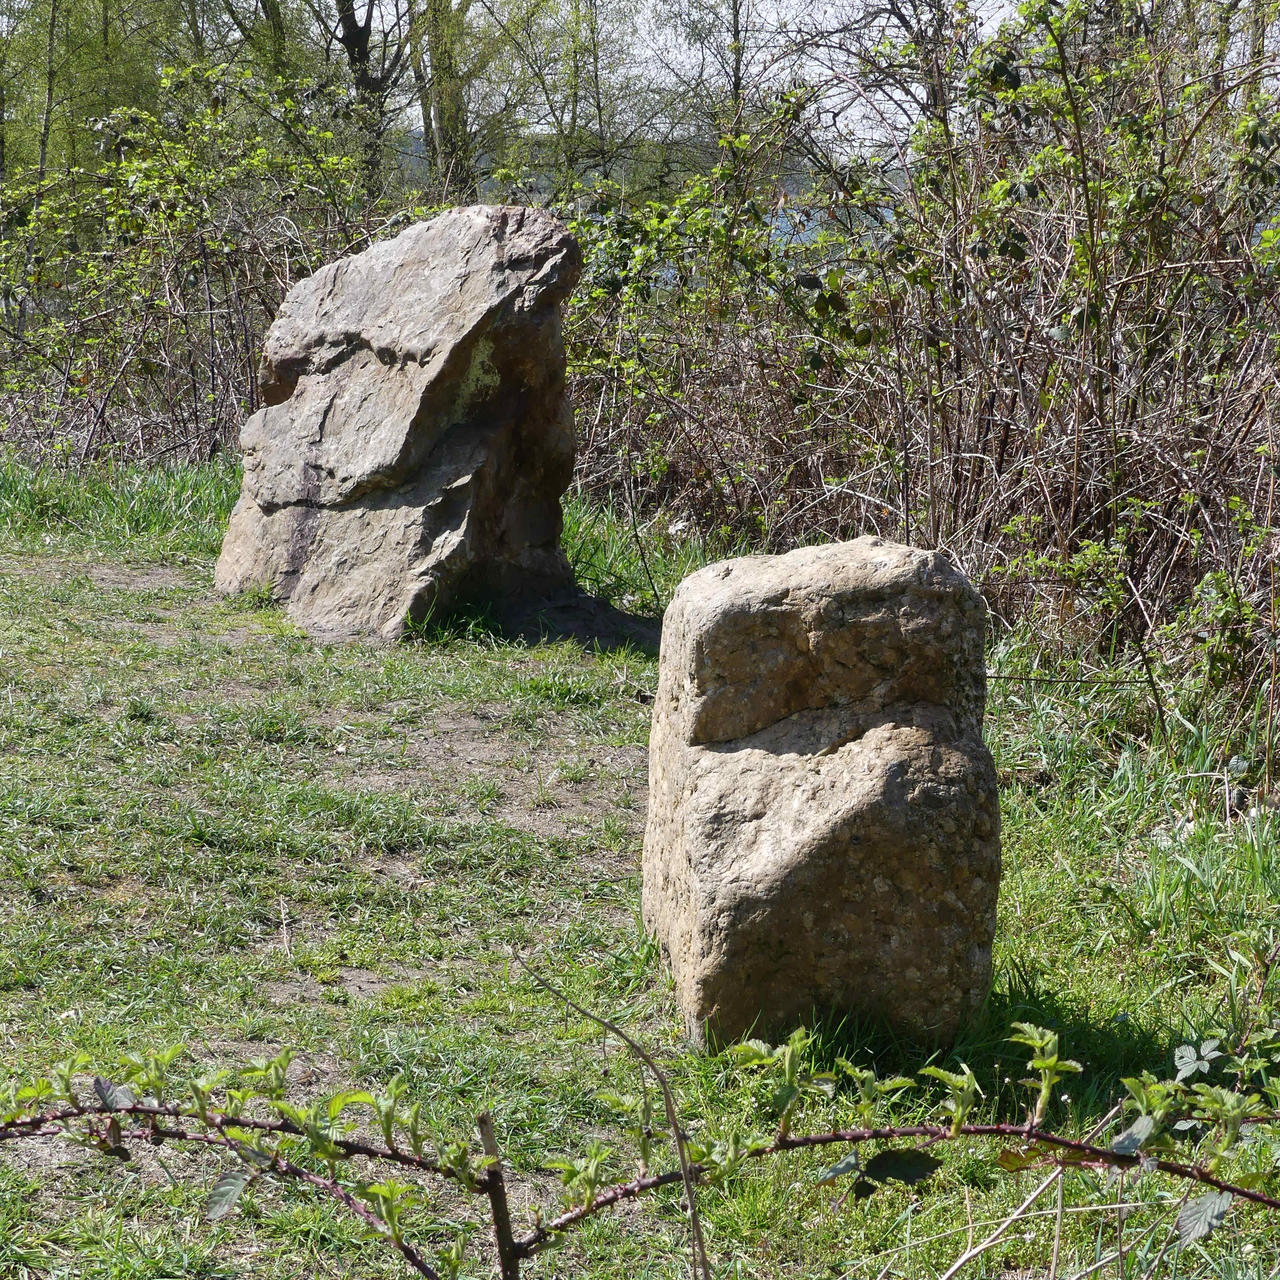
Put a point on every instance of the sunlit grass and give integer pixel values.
(140, 510)
(216, 833)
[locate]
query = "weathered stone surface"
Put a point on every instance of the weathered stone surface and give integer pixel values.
(823, 829)
(416, 437)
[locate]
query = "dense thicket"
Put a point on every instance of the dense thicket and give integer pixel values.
(1003, 283)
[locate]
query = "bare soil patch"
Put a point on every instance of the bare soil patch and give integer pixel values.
(108, 575)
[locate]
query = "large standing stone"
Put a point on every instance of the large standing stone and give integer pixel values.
(823, 827)
(416, 437)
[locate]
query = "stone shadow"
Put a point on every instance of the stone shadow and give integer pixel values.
(1108, 1048)
(591, 621)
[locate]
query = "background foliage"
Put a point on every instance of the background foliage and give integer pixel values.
(1000, 281)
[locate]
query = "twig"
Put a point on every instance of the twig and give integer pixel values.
(508, 1258)
(1084, 1153)
(1057, 1226)
(1268, 967)
(1120, 1227)
(700, 1260)
(979, 1249)
(344, 1197)
(1170, 1241)
(54, 1122)
(280, 1165)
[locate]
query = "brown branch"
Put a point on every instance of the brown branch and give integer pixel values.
(279, 1164)
(673, 1119)
(333, 1188)
(508, 1258)
(220, 1122)
(1089, 1154)
(1081, 1152)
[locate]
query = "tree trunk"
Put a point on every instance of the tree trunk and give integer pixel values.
(738, 82)
(421, 81)
(1258, 14)
(355, 35)
(455, 165)
(42, 164)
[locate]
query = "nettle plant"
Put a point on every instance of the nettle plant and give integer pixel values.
(379, 1160)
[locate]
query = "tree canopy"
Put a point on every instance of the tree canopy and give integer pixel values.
(1000, 281)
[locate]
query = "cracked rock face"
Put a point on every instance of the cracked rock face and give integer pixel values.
(415, 438)
(823, 831)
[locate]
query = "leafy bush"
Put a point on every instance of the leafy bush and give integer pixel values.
(1032, 324)
(379, 1162)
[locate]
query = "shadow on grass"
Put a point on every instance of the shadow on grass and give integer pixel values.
(1107, 1048)
(588, 620)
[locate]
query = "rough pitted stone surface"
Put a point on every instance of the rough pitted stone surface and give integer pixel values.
(823, 828)
(416, 437)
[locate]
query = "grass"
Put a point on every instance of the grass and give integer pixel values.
(216, 833)
(127, 510)
(632, 564)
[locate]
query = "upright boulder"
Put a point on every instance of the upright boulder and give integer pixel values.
(823, 830)
(415, 437)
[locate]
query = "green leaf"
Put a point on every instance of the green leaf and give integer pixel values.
(251, 1154)
(823, 1083)
(1203, 1215)
(849, 1164)
(1012, 1161)
(950, 1078)
(1130, 1142)
(226, 1192)
(296, 1116)
(784, 1096)
(904, 1164)
(1066, 1155)
(113, 1143)
(115, 1097)
(752, 1053)
(350, 1098)
(624, 1103)
(1032, 1036)
(1186, 1060)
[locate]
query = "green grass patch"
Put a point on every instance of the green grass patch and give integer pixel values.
(636, 565)
(153, 511)
(217, 834)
